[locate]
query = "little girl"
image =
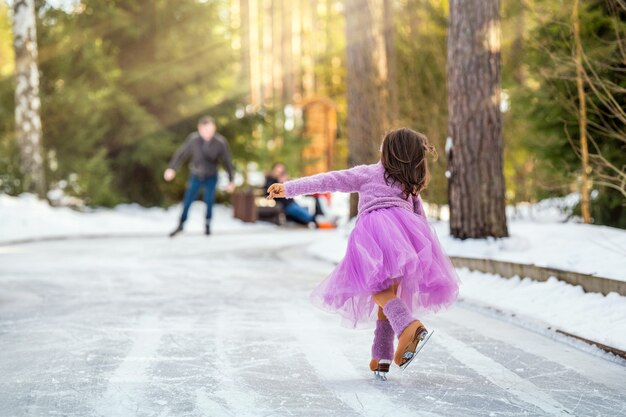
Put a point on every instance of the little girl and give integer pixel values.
(394, 266)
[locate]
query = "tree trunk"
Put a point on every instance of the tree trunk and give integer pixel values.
(367, 78)
(27, 102)
(267, 64)
(244, 24)
(582, 113)
(287, 52)
(392, 90)
(475, 157)
(308, 8)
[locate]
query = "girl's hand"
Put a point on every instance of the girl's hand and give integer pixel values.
(276, 190)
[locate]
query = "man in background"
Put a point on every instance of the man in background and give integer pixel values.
(204, 148)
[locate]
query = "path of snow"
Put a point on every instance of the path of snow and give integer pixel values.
(25, 217)
(222, 326)
(538, 234)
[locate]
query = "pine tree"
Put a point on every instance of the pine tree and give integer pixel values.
(476, 181)
(367, 78)
(552, 101)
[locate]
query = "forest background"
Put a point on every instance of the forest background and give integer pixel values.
(123, 83)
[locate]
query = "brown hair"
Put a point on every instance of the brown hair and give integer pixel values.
(205, 120)
(403, 154)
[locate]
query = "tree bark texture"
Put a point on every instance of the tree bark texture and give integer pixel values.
(27, 102)
(475, 158)
(367, 79)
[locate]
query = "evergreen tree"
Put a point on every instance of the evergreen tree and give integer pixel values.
(476, 180)
(11, 177)
(552, 106)
(123, 83)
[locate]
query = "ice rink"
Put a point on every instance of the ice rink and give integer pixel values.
(222, 326)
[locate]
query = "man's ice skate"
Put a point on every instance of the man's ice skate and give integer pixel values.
(177, 230)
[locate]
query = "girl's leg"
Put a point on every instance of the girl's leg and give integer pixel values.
(383, 297)
(382, 346)
(408, 330)
(381, 313)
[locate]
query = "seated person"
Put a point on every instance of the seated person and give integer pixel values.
(292, 210)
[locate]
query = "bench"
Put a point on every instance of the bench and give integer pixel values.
(250, 205)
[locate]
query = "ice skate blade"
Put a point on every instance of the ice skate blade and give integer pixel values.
(380, 376)
(424, 338)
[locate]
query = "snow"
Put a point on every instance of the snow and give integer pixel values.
(222, 326)
(538, 233)
(545, 243)
(539, 236)
(587, 249)
(26, 218)
(557, 304)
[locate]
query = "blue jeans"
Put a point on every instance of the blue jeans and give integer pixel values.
(299, 214)
(193, 187)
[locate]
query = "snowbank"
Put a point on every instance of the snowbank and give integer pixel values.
(588, 249)
(557, 304)
(538, 234)
(26, 217)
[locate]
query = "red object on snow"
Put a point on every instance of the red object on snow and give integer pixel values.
(325, 196)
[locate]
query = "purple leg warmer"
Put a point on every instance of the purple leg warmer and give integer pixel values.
(382, 347)
(398, 315)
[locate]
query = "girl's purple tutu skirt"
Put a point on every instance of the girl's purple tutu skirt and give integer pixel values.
(389, 246)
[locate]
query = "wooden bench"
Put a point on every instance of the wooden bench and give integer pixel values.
(250, 205)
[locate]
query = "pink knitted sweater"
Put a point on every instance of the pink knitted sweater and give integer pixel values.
(367, 180)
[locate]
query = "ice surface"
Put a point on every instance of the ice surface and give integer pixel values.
(222, 326)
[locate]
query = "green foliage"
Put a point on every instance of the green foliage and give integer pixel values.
(10, 175)
(122, 84)
(548, 103)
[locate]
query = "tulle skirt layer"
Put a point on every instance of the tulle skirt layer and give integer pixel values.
(390, 246)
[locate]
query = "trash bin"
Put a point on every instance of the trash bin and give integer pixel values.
(244, 207)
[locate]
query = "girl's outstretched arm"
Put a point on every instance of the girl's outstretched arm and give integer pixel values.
(347, 180)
